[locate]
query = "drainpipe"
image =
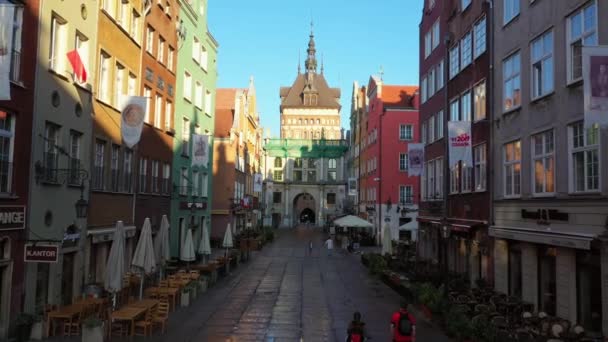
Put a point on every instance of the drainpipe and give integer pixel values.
(490, 146)
(446, 144)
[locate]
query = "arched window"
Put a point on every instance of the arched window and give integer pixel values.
(278, 162)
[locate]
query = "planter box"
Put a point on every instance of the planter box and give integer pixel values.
(185, 299)
(94, 334)
(37, 331)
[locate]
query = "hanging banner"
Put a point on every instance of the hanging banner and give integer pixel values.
(257, 182)
(200, 148)
(459, 139)
(6, 48)
(132, 122)
(595, 85)
(415, 156)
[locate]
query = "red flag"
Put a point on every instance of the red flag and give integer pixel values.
(77, 66)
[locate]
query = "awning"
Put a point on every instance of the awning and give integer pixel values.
(579, 241)
(353, 222)
(429, 219)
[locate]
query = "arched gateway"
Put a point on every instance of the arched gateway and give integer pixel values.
(304, 208)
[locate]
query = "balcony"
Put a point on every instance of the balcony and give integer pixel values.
(74, 173)
(51, 161)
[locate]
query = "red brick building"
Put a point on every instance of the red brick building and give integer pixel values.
(392, 123)
(16, 131)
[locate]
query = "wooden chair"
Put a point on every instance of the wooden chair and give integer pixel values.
(162, 315)
(144, 327)
(163, 283)
(115, 328)
(73, 326)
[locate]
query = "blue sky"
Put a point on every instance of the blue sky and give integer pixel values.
(262, 39)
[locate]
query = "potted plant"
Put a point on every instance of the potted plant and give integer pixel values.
(457, 324)
(92, 329)
(185, 297)
(37, 329)
(23, 326)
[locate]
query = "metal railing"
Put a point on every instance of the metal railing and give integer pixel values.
(51, 162)
(74, 173)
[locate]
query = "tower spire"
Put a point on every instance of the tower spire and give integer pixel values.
(311, 60)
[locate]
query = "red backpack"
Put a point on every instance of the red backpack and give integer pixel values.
(355, 334)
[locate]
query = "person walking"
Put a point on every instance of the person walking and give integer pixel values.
(403, 325)
(329, 243)
(356, 329)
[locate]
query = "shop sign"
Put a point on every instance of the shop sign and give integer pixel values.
(41, 253)
(12, 217)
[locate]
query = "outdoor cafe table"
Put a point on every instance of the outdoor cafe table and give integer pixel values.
(171, 292)
(145, 303)
(128, 313)
(65, 313)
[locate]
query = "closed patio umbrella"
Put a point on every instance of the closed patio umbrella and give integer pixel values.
(387, 241)
(227, 243)
(204, 247)
(144, 259)
(115, 265)
(161, 244)
(187, 252)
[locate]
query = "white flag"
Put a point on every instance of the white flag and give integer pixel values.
(257, 182)
(415, 156)
(6, 49)
(595, 85)
(460, 143)
(132, 119)
(200, 155)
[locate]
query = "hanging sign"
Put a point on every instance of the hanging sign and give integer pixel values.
(200, 149)
(595, 85)
(132, 119)
(460, 143)
(41, 253)
(415, 156)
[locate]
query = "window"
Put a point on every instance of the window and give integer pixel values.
(82, 46)
(479, 30)
(183, 181)
(511, 79)
(75, 139)
(98, 174)
(58, 47)
(7, 136)
(427, 44)
(542, 65)
(168, 115)
(454, 179)
(161, 50)
(123, 14)
(331, 173)
(51, 158)
(544, 163)
(405, 132)
(584, 144)
(464, 4)
(134, 32)
(198, 95)
(435, 35)
(127, 170)
(439, 76)
(164, 188)
(431, 132)
(196, 50)
(195, 183)
(466, 178)
(143, 175)
(439, 125)
(311, 175)
(110, 7)
(204, 58)
(114, 168)
(582, 31)
(186, 138)
(204, 186)
(148, 97)
(119, 84)
(331, 198)
(158, 111)
(277, 175)
(187, 86)
(276, 197)
(405, 194)
(510, 10)
(455, 110)
(150, 40)
(170, 58)
(297, 175)
(403, 162)
(104, 77)
(278, 162)
(512, 169)
(465, 103)
(297, 163)
(454, 61)
(465, 50)
(431, 83)
(15, 67)
(479, 106)
(423, 91)
(132, 84)
(423, 131)
(439, 178)
(479, 158)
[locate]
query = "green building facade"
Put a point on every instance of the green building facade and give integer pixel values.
(194, 114)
